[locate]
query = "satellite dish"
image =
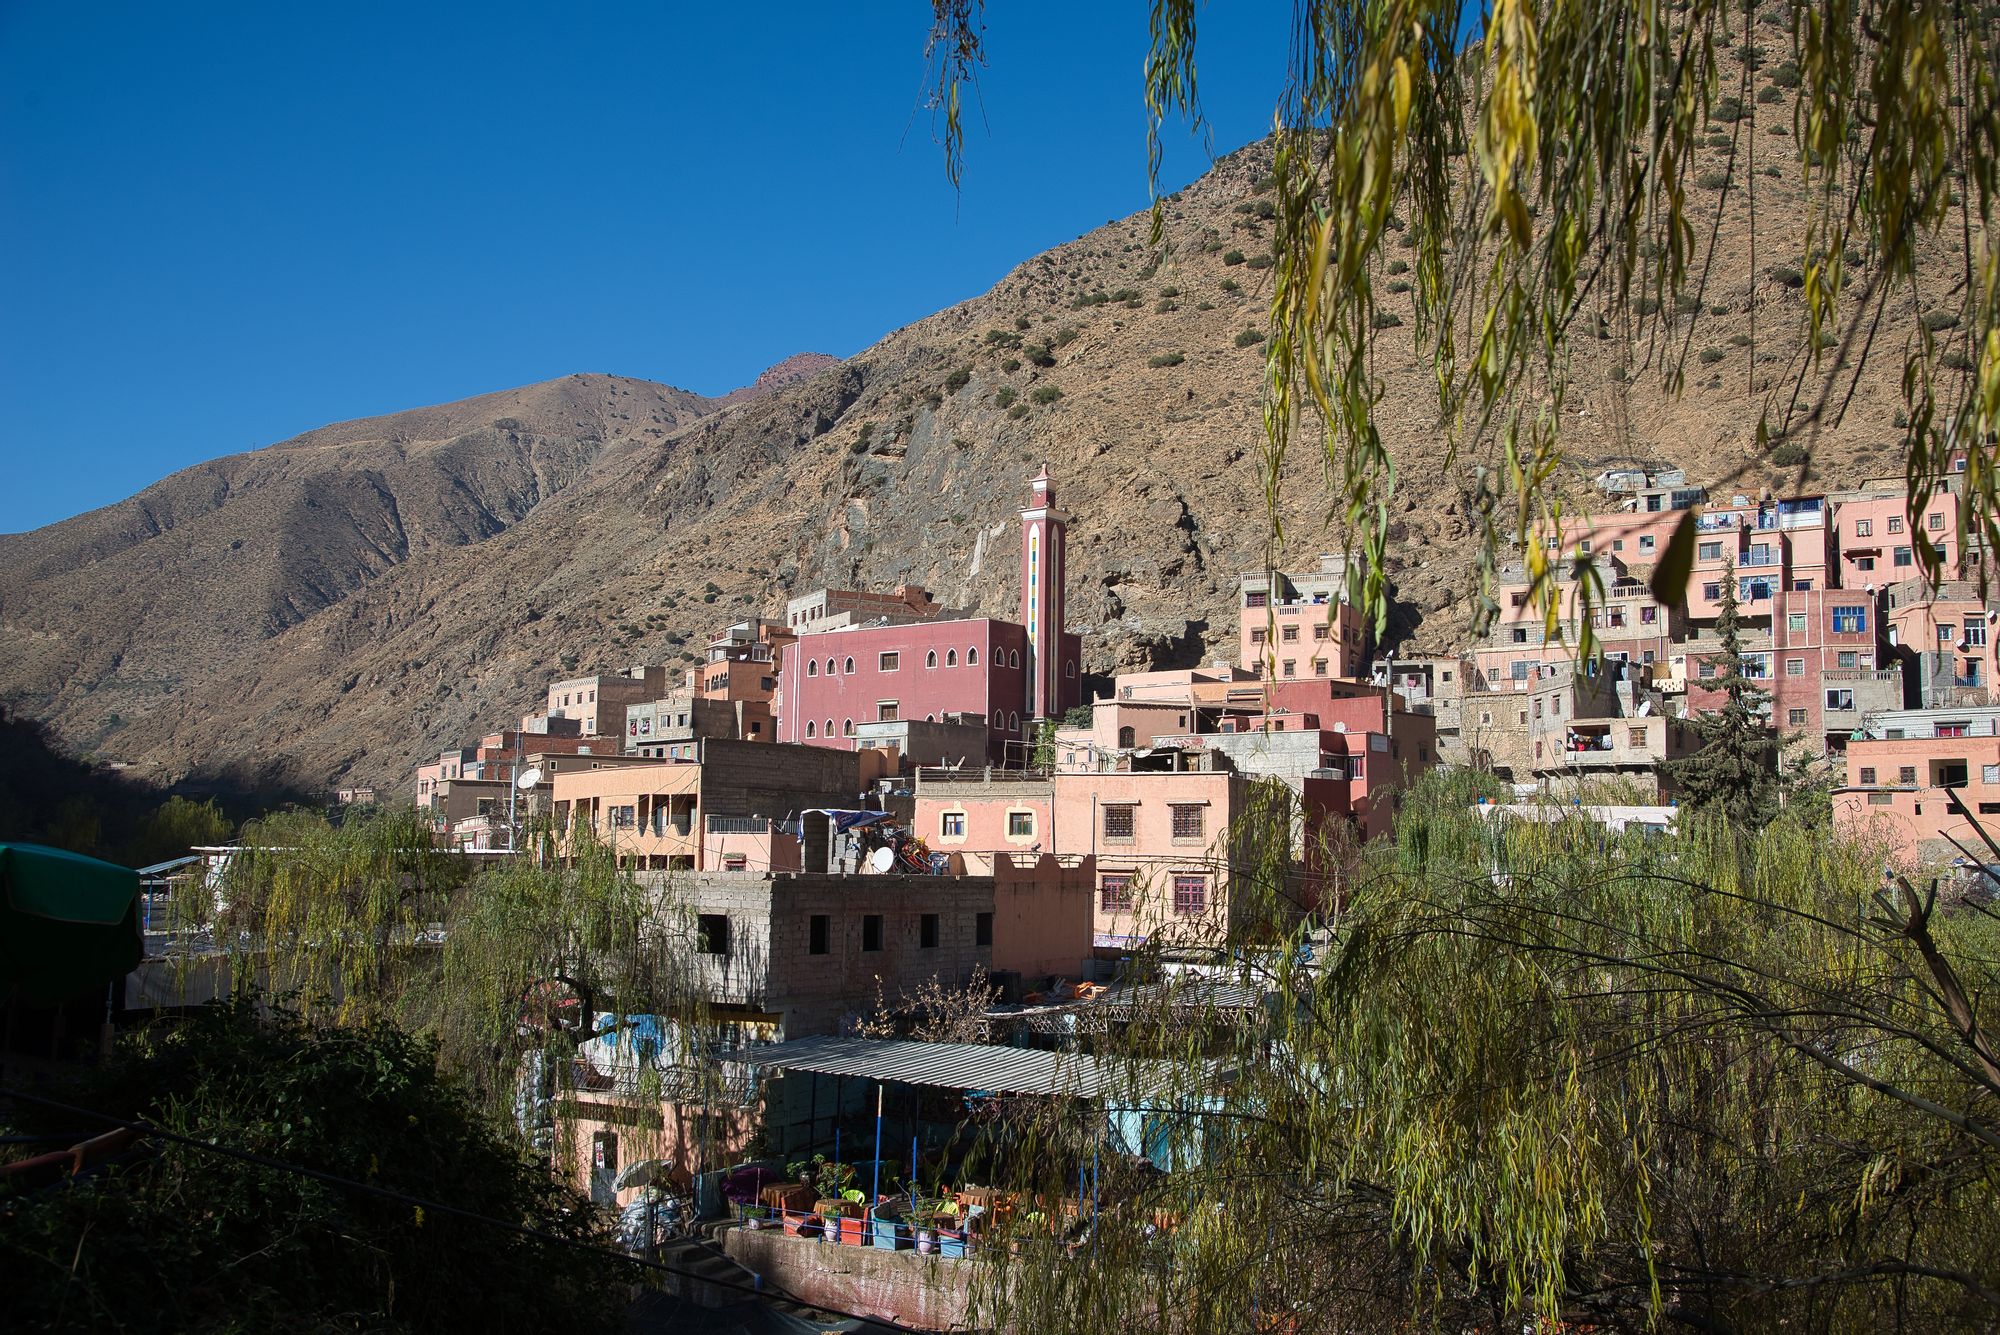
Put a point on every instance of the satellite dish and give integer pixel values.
(882, 859)
(529, 777)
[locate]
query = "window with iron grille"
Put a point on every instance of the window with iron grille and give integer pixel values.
(1187, 820)
(1118, 822)
(1115, 893)
(1906, 774)
(1190, 894)
(1867, 774)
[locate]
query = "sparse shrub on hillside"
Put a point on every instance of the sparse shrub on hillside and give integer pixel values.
(1232, 257)
(1002, 338)
(1399, 285)
(1248, 337)
(1955, 360)
(1789, 455)
(1899, 418)
(1165, 307)
(1018, 411)
(1170, 291)
(1750, 54)
(1046, 394)
(1204, 305)
(1399, 266)
(1126, 294)
(1769, 93)
(1710, 356)
(1786, 75)
(1712, 180)
(1263, 185)
(1065, 336)
(958, 380)
(866, 434)
(1617, 375)
(1004, 396)
(1231, 285)
(1011, 365)
(1936, 320)
(1729, 110)
(1090, 299)
(1739, 340)
(1164, 359)
(1647, 305)
(1687, 303)
(1040, 354)
(1022, 322)
(1386, 320)
(1263, 261)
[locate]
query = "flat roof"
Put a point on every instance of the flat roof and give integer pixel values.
(969, 1066)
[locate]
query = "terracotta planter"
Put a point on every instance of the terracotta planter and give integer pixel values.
(853, 1231)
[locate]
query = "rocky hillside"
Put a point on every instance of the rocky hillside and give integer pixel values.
(347, 602)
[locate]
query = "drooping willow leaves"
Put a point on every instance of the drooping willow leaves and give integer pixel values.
(1540, 154)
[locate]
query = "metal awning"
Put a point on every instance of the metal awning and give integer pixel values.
(972, 1066)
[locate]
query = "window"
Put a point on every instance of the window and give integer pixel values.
(1618, 544)
(812, 668)
(1975, 633)
(1020, 825)
(1115, 893)
(1989, 774)
(951, 825)
(1118, 822)
(1069, 670)
(951, 658)
(1934, 521)
(1903, 558)
(1841, 699)
(1190, 894)
(1868, 774)
(1013, 722)
(930, 659)
(1648, 615)
(1187, 820)
(1895, 523)
(1847, 658)
(1014, 658)
(1710, 551)
(711, 934)
(972, 657)
(1520, 635)
(809, 728)
(1795, 667)
(1946, 632)
(1291, 667)
(1864, 528)
(1256, 600)
(1795, 717)
(1711, 591)
(1757, 667)
(1257, 636)
(1319, 667)
(982, 929)
(1646, 542)
(1951, 730)
(829, 728)
(1879, 799)
(999, 720)
(1795, 622)
(927, 931)
(735, 862)
(1319, 632)
(1518, 671)
(850, 666)
(1635, 737)
(1864, 563)
(1850, 620)
(847, 727)
(1707, 670)
(889, 661)
(885, 711)
(1906, 774)
(1289, 634)
(871, 931)
(816, 934)
(831, 667)
(624, 818)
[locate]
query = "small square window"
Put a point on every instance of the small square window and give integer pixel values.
(871, 931)
(1118, 822)
(711, 933)
(1021, 824)
(1906, 774)
(1190, 894)
(1795, 667)
(951, 825)
(1864, 528)
(1187, 820)
(1935, 521)
(927, 931)
(1115, 893)
(889, 662)
(1795, 717)
(1289, 634)
(1867, 774)
(1895, 523)
(818, 932)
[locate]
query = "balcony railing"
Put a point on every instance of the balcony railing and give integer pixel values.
(739, 825)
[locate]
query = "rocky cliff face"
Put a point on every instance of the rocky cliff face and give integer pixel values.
(352, 600)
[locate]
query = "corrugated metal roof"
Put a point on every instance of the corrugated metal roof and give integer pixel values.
(977, 1066)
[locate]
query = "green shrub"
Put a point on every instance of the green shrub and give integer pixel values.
(1789, 455)
(1647, 305)
(1687, 303)
(1231, 285)
(1001, 338)
(1386, 320)
(1018, 411)
(1786, 75)
(1046, 394)
(1399, 285)
(1232, 257)
(1263, 261)
(1011, 365)
(1022, 322)
(1769, 93)
(1204, 305)
(958, 380)
(1065, 336)
(1126, 294)
(1955, 360)
(1165, 307)
(1729, 110)
(1710, 356)
(1787, 275)
(1617, 375)
(1399, 266)
(1164, 359)
(1004, 396)
(1248, 337)
(1899, 419)
(1936, 320)
(1739, 340)
(1712, 180)
(1170, 292)
(1040, 354)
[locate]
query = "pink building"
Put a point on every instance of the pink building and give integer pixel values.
(1897, 774)
(1300, 625)
(1003, 673)
(1874, 545)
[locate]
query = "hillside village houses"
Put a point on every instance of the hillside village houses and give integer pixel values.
(883, 743)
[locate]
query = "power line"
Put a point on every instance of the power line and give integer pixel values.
(760, 1289)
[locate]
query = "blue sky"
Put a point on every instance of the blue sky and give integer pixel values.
(223, 224)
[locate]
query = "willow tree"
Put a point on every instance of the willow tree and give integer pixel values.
(1544, 1074)
(1540, 155)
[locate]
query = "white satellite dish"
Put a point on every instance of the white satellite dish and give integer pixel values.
(529, 777)
(882, 859)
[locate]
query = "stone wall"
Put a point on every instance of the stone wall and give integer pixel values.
(919, 1292)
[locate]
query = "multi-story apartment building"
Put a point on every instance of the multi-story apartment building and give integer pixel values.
(831, 609)
(1006, 672)
(1899, 765)
(1943, 638)
(600, 701)
(1303, 624)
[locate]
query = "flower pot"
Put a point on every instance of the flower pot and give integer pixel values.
(926, 1241)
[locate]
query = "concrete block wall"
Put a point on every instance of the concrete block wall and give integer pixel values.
(759, 779)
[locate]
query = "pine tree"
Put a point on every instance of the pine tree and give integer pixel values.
(1735, 770)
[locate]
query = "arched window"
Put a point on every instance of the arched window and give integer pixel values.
(1069, 670)
(850, 667)
(951, 658)
(830, 668)
(829, 729)
(812, 668)
(1014, 659)
(972, 656)
(809, 727)
(999, 719)
(1127, 739)
(1013, 723)
(930, 718)
(847, 727)
(930, 659)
